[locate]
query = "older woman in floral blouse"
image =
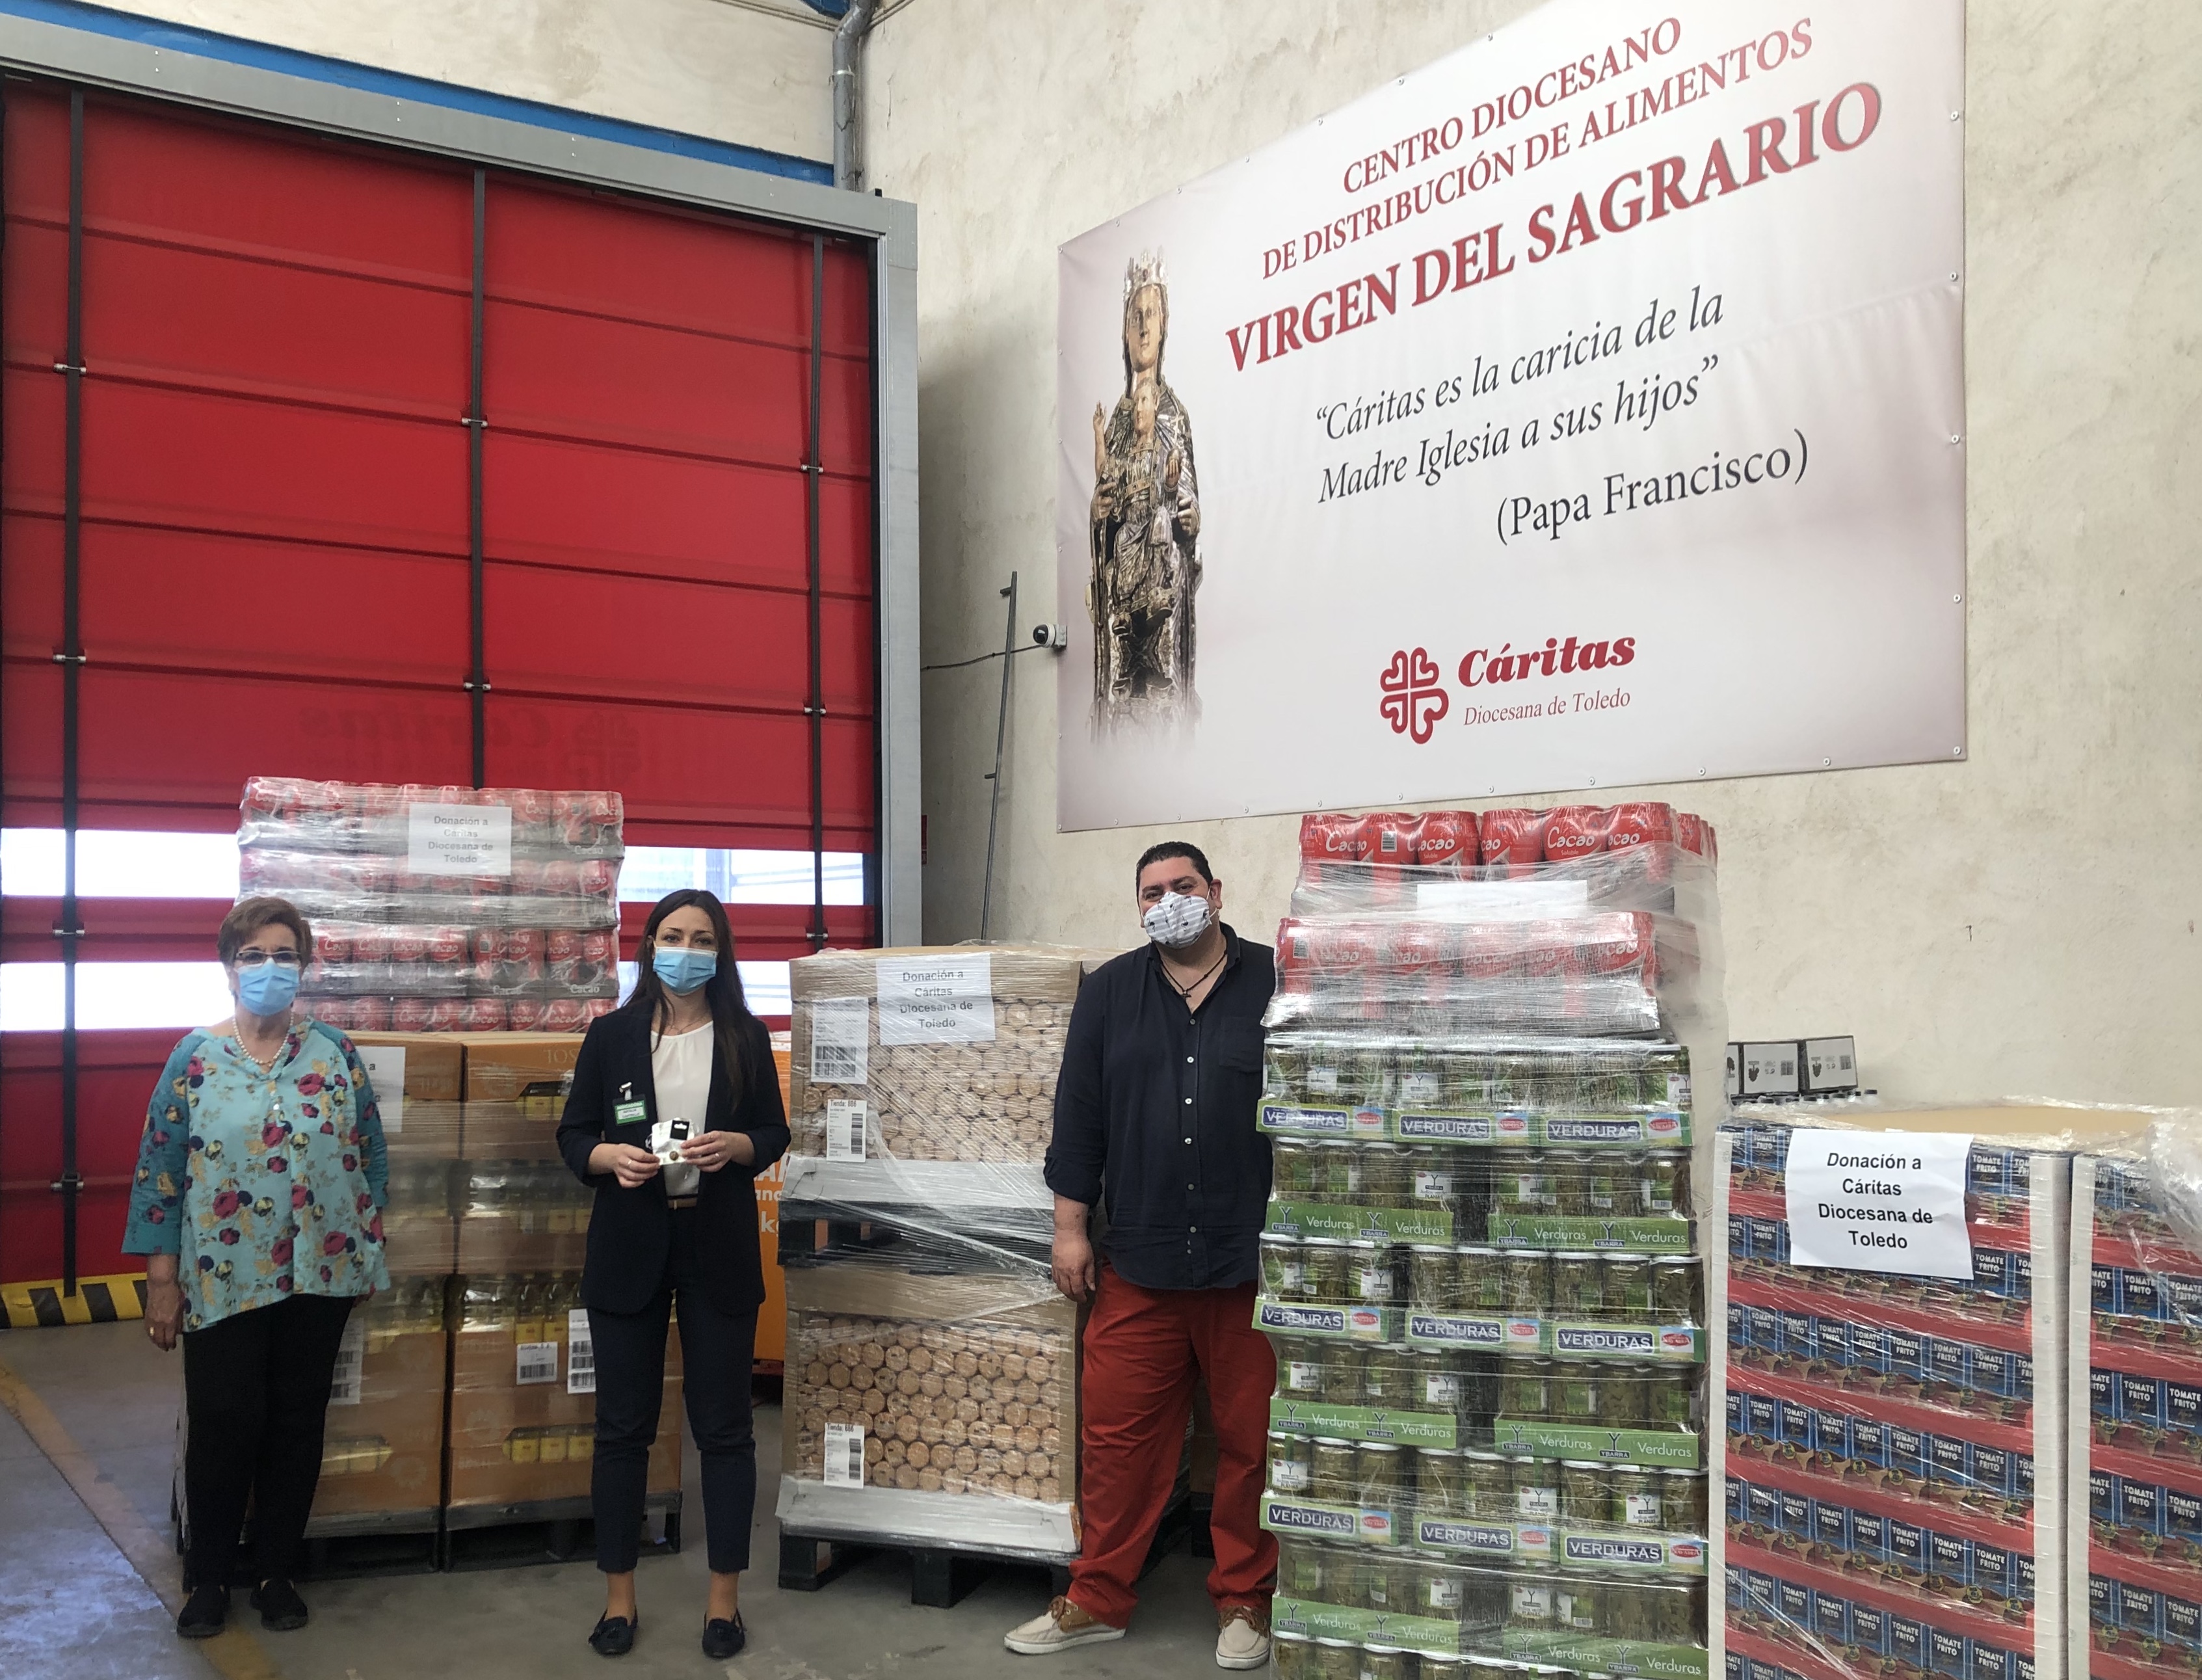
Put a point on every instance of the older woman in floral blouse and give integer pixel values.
(257, 1206)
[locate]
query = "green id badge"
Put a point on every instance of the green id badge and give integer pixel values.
(630, 1114)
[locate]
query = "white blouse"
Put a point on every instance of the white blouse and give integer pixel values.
(680, 1066)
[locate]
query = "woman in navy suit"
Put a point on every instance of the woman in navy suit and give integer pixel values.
(675, 1109)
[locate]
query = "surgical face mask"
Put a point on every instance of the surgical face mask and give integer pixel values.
(682, 967)
(267, 988)
(1177, 919)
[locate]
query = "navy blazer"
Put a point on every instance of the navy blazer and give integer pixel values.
(630, 1231)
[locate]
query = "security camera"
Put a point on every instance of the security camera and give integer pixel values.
(1051, 635)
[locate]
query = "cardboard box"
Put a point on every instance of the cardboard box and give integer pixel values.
(1770, 1069)
(524, 1243)
(431, 1062)
(1829, 1065)
(527, 1069)
(416, 1079)
(383, 1448)
(515, 1442)
(383, 1452)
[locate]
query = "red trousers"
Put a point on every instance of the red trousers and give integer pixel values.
(1144, 1349)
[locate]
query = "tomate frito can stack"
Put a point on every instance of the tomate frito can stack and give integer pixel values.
(2136, 1399)
(1900, 1457)
(1481, 1272)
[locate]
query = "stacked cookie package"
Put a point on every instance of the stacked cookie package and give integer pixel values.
(929, 1055)
(931, 1367)
(953, 1408)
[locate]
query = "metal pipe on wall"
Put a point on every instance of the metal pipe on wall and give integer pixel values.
(848, 110)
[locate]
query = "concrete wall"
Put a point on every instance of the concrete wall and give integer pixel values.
(752, 72)
(2024, 921)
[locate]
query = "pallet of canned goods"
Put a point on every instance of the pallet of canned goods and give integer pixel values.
(2136, 1395)
(1343, 1612)
(1479, 1270)
(1896, 1429)
(444, 909)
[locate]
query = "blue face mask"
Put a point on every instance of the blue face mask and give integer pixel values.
(267, 988)
(683, 968)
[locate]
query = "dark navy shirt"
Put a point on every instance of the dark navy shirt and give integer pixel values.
(1154, 1118)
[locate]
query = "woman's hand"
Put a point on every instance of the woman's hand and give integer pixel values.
(164, 1302)
(634, 1168)
(712, 1150)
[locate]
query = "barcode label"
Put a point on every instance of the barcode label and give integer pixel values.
(841, 1037)
(581, 1353)
(844, 1130)
(845, 1455)
(343, 1382)
(538, 1362)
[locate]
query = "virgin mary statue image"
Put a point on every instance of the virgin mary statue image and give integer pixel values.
(1144, 528)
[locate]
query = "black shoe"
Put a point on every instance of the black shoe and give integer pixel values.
(281, 1610)
(723, 1639)
(204, 1615)
(613, 1636)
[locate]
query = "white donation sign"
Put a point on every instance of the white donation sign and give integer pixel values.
(937, 999)
(459, 840)
(1879, 1201)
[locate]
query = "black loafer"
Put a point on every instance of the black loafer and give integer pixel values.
(613, 1636)
(281, 1610)
(723, 1639)
(204, 1615)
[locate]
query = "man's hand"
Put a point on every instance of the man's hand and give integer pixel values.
(1072, 1261)
(634, 1168)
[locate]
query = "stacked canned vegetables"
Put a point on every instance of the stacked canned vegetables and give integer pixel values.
(1481, 1280)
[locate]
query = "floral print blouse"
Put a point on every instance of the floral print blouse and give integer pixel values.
(263, 1186)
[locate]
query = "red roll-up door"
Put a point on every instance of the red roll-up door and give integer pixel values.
(274, 503)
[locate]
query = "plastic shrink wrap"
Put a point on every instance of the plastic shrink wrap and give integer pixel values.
(523, 1375)
(931, 1367)
(1897, 1447)
(922, 1096)
(930, 1408)
(443, 909)
(382, 1456)
(2137, 1407)
(1481, 1273)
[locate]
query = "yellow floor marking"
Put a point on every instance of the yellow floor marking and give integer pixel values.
(234, 1653)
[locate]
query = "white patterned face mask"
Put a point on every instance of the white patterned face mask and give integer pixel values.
(1177, 919)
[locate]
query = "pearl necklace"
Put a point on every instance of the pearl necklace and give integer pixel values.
(266, 1067)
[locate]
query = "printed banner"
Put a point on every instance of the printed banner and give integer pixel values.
(1584, 409)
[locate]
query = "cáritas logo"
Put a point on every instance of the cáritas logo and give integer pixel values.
(1415, 698)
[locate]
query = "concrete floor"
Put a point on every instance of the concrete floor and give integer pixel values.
(73, 1605)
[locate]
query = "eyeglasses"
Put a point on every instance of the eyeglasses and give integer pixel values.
(252, 957)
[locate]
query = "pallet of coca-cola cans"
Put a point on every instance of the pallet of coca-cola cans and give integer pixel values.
(1579, 919)
(443, 909)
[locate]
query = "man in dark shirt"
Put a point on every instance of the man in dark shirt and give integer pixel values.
(1154, 1122)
